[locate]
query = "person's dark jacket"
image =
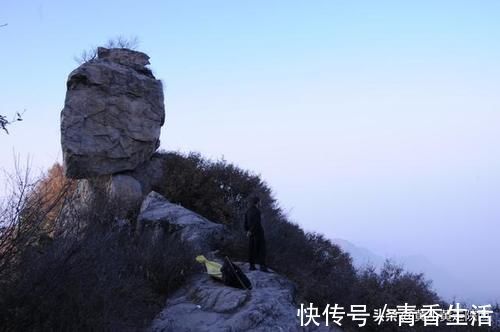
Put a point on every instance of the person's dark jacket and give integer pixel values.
(253, 222)
(256, 240)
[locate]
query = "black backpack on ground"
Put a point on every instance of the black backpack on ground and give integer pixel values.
(233, 276)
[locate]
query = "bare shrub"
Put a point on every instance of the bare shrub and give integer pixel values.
(217, 190)
(323, 273)
(5, 122)
(53, 188)
(118, 42)
(102, 277)
(96, 277)
(103, 281)
(25, 214)
(393, 286)
(220, 191)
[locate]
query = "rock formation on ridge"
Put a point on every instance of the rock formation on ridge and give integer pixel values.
(110, 128)
(205, 304)
(112, 115)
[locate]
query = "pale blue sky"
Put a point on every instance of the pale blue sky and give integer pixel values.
(373, 121)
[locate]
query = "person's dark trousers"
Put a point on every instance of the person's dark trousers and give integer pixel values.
(257, 250)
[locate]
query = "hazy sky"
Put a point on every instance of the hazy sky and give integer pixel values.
(373, 121)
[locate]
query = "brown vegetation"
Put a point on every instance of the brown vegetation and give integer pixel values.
(323, 273)
(99, 277)
(103, 277)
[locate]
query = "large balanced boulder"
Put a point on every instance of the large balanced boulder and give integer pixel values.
(112, 116)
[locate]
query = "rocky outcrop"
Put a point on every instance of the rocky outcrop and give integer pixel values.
(119, 193)
(158, 217)
(150, 174)
(112, 115)
(110, 128)
(124, 190)
(205, 304)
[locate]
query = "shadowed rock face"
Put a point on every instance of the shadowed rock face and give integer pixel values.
(159, 217)
(112, 116)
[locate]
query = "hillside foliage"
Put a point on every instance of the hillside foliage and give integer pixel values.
(100, 274)
(323, 273)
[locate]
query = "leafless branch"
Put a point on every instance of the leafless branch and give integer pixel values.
(23, 212)
(4, 122)
(119, 42)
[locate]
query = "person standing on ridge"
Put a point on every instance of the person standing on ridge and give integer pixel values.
(255, 234)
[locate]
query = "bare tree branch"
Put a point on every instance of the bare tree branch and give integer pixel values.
(117, 42)
(4, 122)
(24, 212)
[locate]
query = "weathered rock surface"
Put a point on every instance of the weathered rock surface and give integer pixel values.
(208, 305)
(125, 190)
(112, 116)
(124, 56)
(150, 174)
(159, 217)
(121, 193)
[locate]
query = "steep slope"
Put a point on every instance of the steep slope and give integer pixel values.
(205, 304)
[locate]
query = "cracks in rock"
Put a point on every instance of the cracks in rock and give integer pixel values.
(79, 80)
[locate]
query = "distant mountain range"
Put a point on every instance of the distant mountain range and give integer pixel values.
(443, 282)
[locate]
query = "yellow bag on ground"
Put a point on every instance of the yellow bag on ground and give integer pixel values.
(213, 268)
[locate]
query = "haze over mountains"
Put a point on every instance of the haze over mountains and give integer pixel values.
(450, 287)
